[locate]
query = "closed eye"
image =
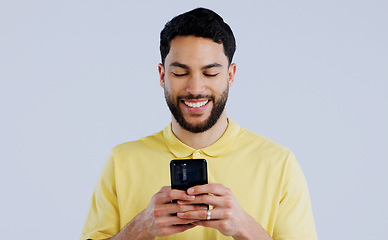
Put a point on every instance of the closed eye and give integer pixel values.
(180, 75)
(210, 75)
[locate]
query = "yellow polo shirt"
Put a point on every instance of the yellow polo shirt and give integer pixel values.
(264, 176)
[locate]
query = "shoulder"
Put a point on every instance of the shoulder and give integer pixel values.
(248, 137)
(275, 156)
(261, 149)
(154, 142)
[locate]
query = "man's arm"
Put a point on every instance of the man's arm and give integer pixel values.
(158, 219)
(226, 216)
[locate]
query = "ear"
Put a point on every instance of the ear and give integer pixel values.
(161, 74)
(231, 74)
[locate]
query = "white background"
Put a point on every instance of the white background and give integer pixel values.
(78, 77)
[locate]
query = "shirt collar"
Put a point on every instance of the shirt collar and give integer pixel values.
(181, 150)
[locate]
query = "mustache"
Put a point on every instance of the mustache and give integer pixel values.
(195, 97)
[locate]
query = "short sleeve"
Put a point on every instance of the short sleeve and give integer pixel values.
(103, 218)
(294, 220)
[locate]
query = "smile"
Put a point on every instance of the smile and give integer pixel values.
(196, 104)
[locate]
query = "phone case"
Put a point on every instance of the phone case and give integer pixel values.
(186, 173)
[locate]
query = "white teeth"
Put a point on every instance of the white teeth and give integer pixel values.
(197, 104)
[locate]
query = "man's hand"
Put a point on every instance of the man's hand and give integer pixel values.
(159, 214)
(226, 216)
(159, 218)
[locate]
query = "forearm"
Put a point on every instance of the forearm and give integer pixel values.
(252, 231)
(134, 230)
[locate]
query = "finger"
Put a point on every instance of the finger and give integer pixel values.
(172, 208)
(167, 221)
(162, 196)
(212, 200)
(215, 214)
(211, 223)
(166, 195)
(165, 189)
(212, 188)
(175, 194)
(175, 229)
(192, 207)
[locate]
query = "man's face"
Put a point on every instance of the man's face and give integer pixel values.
(196, 78)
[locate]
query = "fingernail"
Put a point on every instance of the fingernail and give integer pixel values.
(190, 191)
(180, 214)
(191, 197)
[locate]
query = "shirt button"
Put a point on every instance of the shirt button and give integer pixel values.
(197, 154)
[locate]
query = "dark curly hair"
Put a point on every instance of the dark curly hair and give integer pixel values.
(199, 22)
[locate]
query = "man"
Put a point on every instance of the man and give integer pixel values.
(256, 189)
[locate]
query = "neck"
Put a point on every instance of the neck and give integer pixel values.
(204, 139)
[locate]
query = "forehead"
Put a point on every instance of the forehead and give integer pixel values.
(195, 50)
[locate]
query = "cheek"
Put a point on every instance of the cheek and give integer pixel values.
(219, 87)
(170, 92)
(175, 87)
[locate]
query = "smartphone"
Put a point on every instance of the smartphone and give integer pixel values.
(186, 173)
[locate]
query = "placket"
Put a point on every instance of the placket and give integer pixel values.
(198, 154)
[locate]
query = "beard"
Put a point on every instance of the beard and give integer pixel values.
(218, 108)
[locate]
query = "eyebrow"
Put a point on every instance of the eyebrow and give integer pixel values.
(217, 65)
(177, 64)
(184, 66)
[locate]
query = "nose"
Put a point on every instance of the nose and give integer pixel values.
(195, 85)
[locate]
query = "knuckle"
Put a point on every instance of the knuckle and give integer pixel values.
(159, 224)
(224, 225)
(171, 194)
(184, 221)
(158, 197)
(214, 187)
(205, 197)
(228, 203)
(164, 232)
(199, 207)
(157, 212)
(180, 207)
(228, 214)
